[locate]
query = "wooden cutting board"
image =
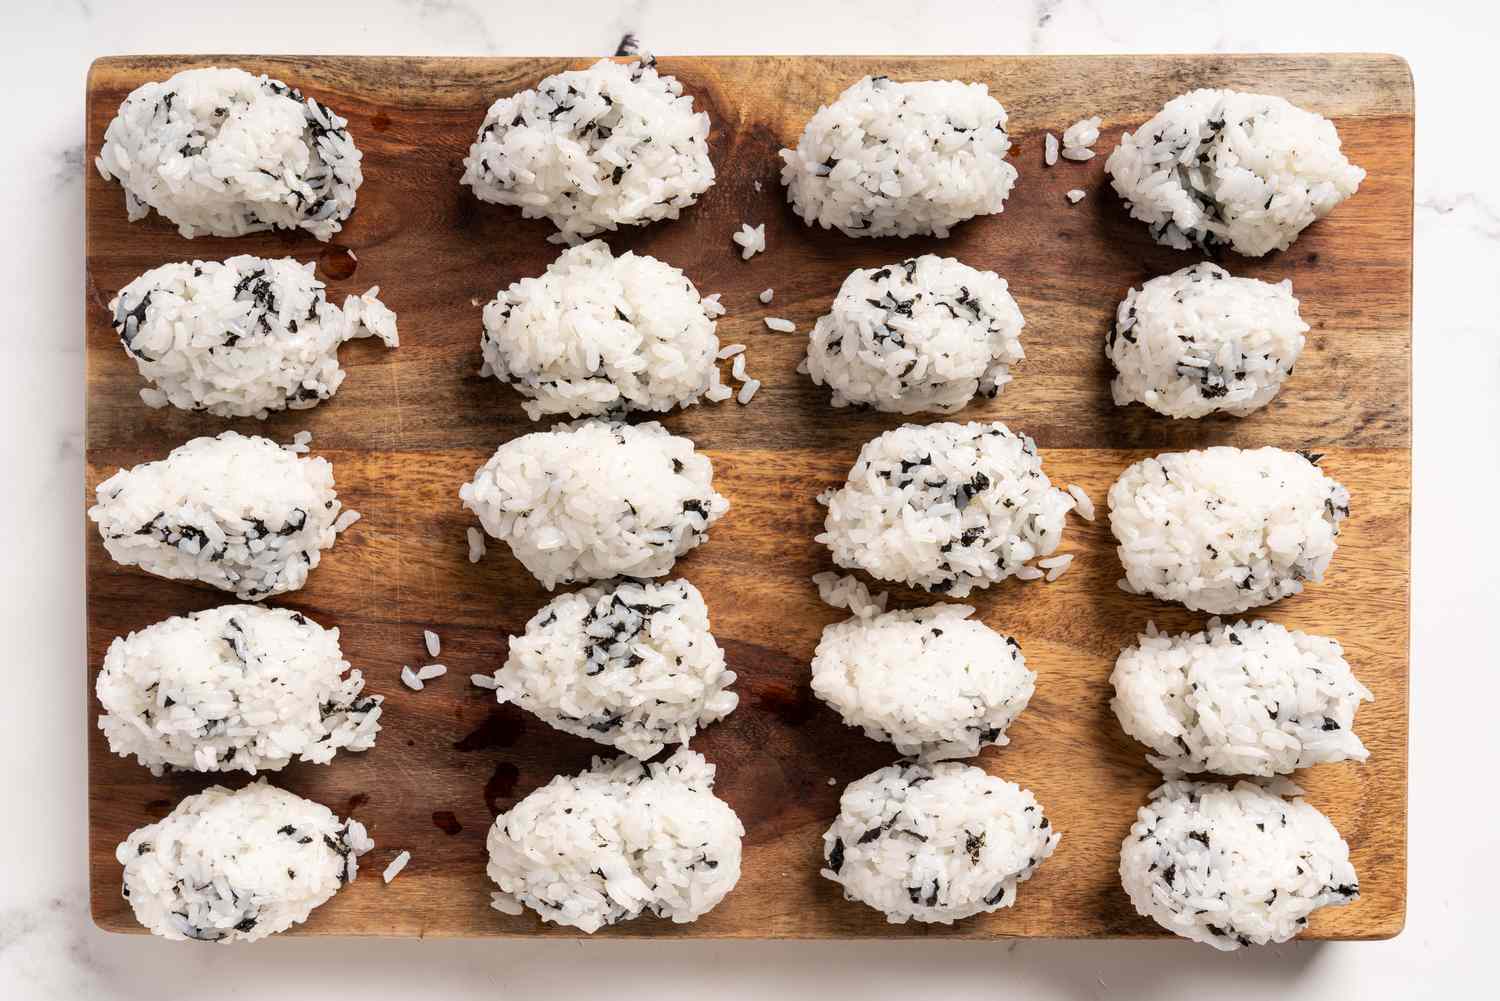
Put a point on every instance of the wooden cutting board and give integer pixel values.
(410, 425)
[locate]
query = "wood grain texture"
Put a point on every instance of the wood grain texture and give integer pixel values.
(410, 425)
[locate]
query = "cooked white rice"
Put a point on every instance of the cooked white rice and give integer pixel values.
(928, 334)
(1233, 866)
(1076, 195)
(598, 334)
(237, 866)
(751, 240)
(476, 544)
(240, 513)
(767, 295)
(1049, 150)
(431, 641)
(780, 325)
(1200, 341)
(933, 681)
(233, 688)
(410, 680)
(222, 153)
(241, 338)
(618, 840)
(1084, 504)
(1220, 167)
(593, 150)
(428, 672)
(946, 507)
(397, 864)
(847, 591)
(1082, 134)
(938, 842)
(633, 666)
(1226, 529)
(900, 159)
(596, 500)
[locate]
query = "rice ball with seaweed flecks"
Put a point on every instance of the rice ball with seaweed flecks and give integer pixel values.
(633, 666)
(945, 507)
(599, 334)
(240, 513)
(936, 843)
(595, 500)
(901, 159)
(237, 866)
(1201, 341)
(593, 150)
(927, 334)
(1233, 866)
(1226, 529)
(1242, 698)
(222, 153)
(1225, 168)
(241, 338)
(618, 840)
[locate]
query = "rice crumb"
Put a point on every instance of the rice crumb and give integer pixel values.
(781, 326)
(397, 864)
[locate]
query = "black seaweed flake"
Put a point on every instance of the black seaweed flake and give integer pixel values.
(836, 855)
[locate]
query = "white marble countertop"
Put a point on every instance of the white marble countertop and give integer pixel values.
(49, 948)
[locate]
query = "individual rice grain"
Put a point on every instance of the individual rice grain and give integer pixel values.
(1084, 505)
(767, 295)
(397, 865)
(781, 326)
(751, 240)
(431, 641)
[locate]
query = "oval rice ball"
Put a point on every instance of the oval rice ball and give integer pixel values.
(598, 334)
(593, 150)
(596, 500)
(1233, 866)
(934, 681)
(1225, 168)
(1247, 698)
(935, 842)
(237, 866)
(1226, 529)
(945, 507)
(618, 840)
(233, 688)
(901, 159)
(240, 513)
(222, 153)
(633, 666)
(1200, 341)
(241, 338)
(927, 334)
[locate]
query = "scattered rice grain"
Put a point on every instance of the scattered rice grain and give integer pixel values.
(780, 325)
(410, 680)
(397, 864)
(1085, 503)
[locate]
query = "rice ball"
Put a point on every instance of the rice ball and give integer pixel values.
(945, 507)
(1247, 698)
(1225, 168)
(237, 866)
(618, 840)
(596, 500)
(934, 681)
(928, 334)
(1233, 866)
(901, 159)
(598, 334)
(240, 513)
(1200, 341)
(593, 150)
(633, 666)
(935, 842)
(241, 338)
(233, 688)
(222, 153)
(1226, 529)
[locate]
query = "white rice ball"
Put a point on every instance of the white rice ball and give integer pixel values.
(222, 153)
(598, 334)
(900, 159)
(593, 150)
(618, 840)
(1226, 529)
(240, 513)
(241, 338)
(933, 681)
(926, 334)
(238, 866)
(596, 500)
(1200, 341)
(1248, 698)
(1220, 167)
(946, 507)
(633, 666)
(935, 842)
(1233, 866)
(233, 688)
